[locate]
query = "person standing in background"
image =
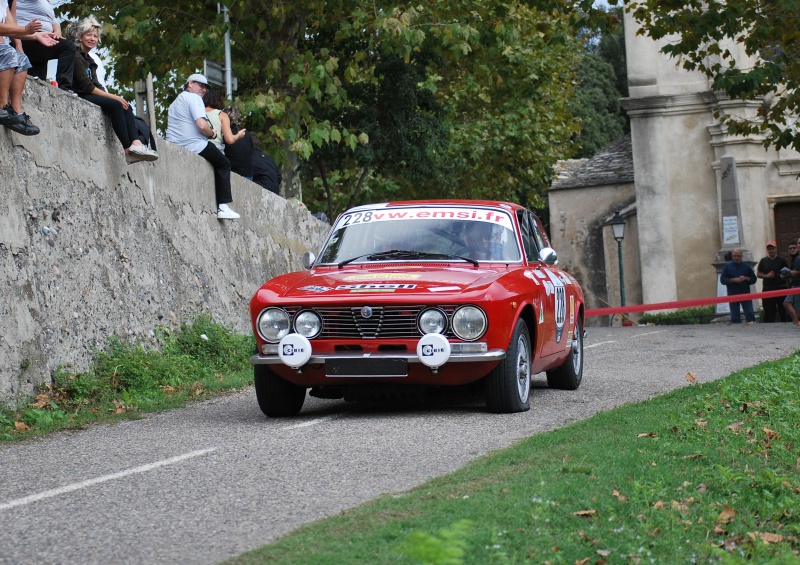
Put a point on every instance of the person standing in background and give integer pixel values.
(768, 270)
(738, 276)
(792, 301)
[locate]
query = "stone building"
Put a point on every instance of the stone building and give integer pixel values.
(688, 191)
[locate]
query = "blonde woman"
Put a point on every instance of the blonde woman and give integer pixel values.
(87, 35)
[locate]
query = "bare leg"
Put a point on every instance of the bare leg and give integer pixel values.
(792, 313)
(6, 78)
(17, 85)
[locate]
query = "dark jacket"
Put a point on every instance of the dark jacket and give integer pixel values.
(85, 77)
(240, 154)
(732, 271)
(265, 172)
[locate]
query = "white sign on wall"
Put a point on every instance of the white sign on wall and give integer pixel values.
(730, 230)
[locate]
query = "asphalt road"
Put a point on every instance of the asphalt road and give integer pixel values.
(211, 481)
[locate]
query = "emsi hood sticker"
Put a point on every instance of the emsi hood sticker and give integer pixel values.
(376, 287)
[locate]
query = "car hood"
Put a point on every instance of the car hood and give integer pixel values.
(386, 280)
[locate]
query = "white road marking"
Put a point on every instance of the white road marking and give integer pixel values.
(648, 333)
(606, 342)
(311, 422)
(596, 344)
(83, 484)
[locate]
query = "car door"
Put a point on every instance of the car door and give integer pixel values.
(542, 285)
(558, 295)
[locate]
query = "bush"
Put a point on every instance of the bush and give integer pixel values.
(125, 378)
(702, 315)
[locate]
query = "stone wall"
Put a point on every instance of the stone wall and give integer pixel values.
(91, 247)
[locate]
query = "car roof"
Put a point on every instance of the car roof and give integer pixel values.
(508, 206)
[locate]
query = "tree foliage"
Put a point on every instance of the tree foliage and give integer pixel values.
(374, 100)
(703, 35)
(601, 81)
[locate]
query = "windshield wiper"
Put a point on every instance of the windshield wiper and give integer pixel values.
(405, 254)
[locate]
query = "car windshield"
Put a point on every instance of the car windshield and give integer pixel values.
(422, 233)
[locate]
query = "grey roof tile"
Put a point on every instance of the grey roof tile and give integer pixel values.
(613, 164)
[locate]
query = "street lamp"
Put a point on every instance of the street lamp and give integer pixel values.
(618, 225)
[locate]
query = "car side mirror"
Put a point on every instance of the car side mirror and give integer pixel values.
(308, 259)
(548, 256)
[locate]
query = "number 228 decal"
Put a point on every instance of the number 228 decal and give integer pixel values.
(555, 287)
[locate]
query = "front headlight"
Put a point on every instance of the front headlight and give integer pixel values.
(273, 324)
(469, 323)
(308, 324)
(432, 321)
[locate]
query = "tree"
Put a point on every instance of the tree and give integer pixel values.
(602, 81)
(702, 35)
(374, 99)
(596, 104)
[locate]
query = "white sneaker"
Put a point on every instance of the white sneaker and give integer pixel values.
(144, 153)
(225, 213)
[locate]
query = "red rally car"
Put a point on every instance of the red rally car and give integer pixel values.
(410, 295)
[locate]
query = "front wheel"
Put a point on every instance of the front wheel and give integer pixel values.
(277, 397)
(508, 386)
(568, 376)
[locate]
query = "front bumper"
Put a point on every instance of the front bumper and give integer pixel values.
(410, 357)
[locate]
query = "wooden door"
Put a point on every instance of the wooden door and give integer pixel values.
(787, 225)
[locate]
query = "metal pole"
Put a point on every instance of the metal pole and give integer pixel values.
(621, 274)
(228, 73)
(151, 103)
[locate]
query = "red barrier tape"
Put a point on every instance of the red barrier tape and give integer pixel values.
(689, 303)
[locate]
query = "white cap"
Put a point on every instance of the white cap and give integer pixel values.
(197, 78)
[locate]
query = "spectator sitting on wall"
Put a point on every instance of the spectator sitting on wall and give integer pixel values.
(738, 276)
(26, 11)
(240, 152)
(265, 171)
(188, 125)
(87, 33)
(768, 270)
(220, 121)
(14, 71)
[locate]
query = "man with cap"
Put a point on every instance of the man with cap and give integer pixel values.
(769, 270)
(188, 125)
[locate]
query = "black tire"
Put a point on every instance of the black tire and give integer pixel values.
(508, 386)
(568, 376)
(277, 397)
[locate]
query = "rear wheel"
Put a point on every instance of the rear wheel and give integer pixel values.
(568, 376)
(277, 397)
(508, 386)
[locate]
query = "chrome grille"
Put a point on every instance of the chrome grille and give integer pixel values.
(386, 322)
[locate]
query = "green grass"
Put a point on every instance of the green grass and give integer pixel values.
(125, 380)
(709, 473)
